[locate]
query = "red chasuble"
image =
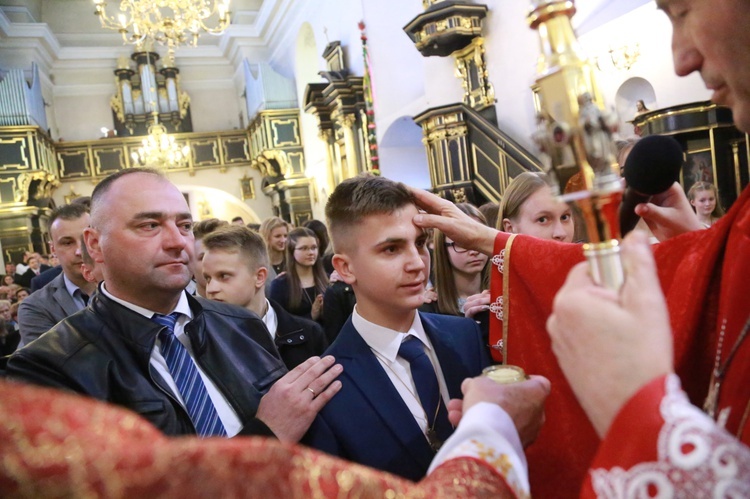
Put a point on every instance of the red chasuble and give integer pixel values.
(705, 277)
(53, 444)
(660, 445)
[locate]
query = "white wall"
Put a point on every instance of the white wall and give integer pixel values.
(398, 69)
(80, 117)
(512, 50)
(402, 155)
(214, 105)
(215, 101)
(330, 20)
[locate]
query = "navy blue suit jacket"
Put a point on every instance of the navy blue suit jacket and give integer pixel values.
(367, 421)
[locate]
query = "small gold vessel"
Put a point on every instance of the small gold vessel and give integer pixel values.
(504, 374)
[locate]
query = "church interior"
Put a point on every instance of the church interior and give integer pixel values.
(399, 352)
(264, 108)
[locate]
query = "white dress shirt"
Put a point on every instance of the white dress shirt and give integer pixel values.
(271, 320)
(228, 416)
(385, 343)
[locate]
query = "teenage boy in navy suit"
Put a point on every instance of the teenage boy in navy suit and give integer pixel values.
(401, 367)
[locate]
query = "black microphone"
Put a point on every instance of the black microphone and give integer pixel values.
(653, 165)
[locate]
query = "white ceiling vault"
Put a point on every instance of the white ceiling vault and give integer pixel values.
(76, 56)
(66, 33)
(70, 30)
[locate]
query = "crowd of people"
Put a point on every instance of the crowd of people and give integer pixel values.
(220, 329)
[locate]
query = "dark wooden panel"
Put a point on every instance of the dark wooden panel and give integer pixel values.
(109, 161)
(8, 188)
(235, 151)
(74, 164)
(285, 133)
(205, 153)
(14, 153)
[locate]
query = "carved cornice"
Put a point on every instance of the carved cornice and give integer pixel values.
(446, 27)
(678, 119)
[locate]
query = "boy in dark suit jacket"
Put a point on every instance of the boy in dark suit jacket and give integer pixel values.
(400, 367)
(235, 266)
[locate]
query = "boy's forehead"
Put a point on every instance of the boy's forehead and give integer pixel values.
(395, 221)
(379, 221)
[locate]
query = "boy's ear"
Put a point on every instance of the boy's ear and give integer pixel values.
(260, 277)
(343, 265)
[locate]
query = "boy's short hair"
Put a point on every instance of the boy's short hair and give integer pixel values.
(362, 196)
(204, 227)
(237, 238)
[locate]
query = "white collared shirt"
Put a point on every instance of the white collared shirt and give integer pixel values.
(271, 320)
(385, 343)
(228, 416)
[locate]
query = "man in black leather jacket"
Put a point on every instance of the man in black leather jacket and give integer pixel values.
(141, 234)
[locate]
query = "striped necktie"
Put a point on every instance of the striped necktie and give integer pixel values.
(188, 380)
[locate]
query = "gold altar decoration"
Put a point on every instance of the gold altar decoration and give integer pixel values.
(471, 68)
(169, 22)
(574, 132)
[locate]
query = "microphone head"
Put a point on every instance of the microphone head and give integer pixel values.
(653, 164)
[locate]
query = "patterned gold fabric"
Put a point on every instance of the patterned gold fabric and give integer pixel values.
(54, 444)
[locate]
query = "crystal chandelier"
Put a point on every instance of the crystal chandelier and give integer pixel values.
(159, 149)
(169, 22)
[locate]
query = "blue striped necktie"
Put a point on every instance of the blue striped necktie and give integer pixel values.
(188, 379)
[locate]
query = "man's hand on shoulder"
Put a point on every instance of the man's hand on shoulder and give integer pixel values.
(292, 403)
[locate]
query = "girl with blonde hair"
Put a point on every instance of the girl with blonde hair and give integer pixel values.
(275, 231)
(528, 207)
(704, 197)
